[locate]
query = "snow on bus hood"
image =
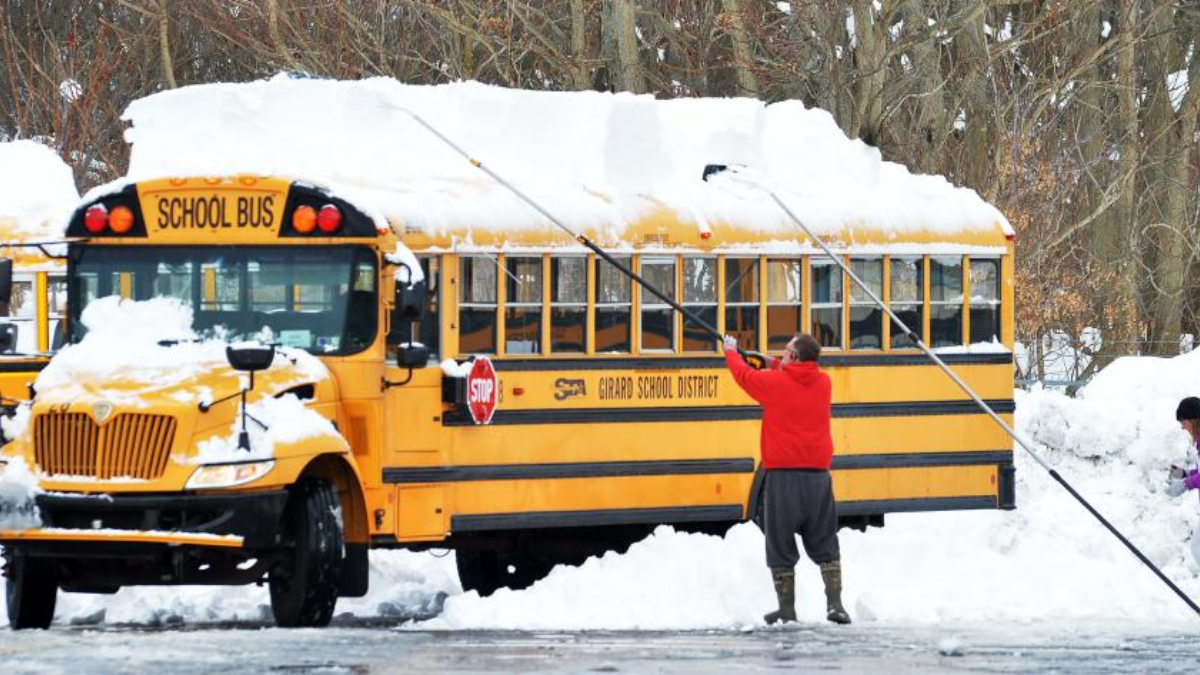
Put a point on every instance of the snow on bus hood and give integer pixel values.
(138, 350)
(593, 159)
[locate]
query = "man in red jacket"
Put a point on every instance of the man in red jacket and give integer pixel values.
(797, 450)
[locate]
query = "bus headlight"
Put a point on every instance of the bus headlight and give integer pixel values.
(228, 475)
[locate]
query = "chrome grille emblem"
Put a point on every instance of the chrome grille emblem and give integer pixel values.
(102, 410)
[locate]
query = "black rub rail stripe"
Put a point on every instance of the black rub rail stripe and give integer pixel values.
(681, 467)
(720, 413)
(910, 460)
(22, 366)
(591, 518)
(682, 514)
(711, 362)
(485, 472)
(872, 507)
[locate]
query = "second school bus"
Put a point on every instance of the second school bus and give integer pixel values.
(615, 415)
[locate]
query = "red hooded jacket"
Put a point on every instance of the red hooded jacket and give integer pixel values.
(796, 409)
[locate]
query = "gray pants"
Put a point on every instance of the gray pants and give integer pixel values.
(799, 501)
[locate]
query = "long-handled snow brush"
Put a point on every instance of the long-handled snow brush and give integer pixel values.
(753, 358)
(717, 169)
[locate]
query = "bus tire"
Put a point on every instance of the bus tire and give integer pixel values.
(31, 592)
(486, 572)
(479, 571)
(304, 588)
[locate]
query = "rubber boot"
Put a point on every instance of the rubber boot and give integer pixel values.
(785, 590)
(831, 574)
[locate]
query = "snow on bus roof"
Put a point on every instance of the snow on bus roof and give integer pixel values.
(594, 160)
(37, 191)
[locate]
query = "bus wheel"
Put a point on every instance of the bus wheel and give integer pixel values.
(486, 572)
(31, 592)
(304, 587)
(479, 571)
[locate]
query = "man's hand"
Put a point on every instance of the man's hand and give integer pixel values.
(730, 344)
(1176, 487)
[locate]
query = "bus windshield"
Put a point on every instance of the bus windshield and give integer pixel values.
(323, 300)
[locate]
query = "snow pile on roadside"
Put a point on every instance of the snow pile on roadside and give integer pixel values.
(18, 488)
(37, 190)
(1047, 560)
(150, 343)
(594, 159)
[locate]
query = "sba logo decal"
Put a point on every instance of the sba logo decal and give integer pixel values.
(569, 389)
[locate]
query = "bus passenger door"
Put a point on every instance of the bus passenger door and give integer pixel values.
(415, 509)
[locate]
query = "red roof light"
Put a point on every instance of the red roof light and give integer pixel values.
(95, 219)
(329, 219)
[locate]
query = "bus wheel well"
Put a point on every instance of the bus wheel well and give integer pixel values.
(354, 507)
(353, 580)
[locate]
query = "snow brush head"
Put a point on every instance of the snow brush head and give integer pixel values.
(1189, 409)
(711, 170)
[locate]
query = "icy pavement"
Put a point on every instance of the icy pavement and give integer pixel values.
(369, 647)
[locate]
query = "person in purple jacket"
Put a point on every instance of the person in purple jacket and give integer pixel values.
(1188, 414)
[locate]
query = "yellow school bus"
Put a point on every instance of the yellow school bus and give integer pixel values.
(611, 413)
(31, 321)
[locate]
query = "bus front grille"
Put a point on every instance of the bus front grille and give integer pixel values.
(133, 445)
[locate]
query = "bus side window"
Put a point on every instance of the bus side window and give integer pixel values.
(866, 318)
(908, 298)
(614, 308)
(985, 300)
(826, 289)
(477, 305)
(945, 301)
(523, 305)
(700, 298)
(741, 301)
(568, 304)
(785, 302)
(658, 319)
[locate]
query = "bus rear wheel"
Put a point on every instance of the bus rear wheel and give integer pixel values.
(304, 588)
(486, 572)
(31, 592)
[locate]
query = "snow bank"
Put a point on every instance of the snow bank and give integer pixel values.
(37, 190)
(594, 159)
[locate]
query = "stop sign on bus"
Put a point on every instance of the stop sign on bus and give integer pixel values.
(483, 390)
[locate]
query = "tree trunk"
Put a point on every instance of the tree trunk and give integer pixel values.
(580, 74)
(630, 76)
(978, 145)
(1121, 250)
(742, 51)
(869, 59)
(1173, 260)
(930, 126)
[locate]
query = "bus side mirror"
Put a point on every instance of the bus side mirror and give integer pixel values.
(410, 301)
(6, 281)
(247, 358)
(412, 355)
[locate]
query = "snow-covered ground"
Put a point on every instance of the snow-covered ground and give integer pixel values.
(1046, 561)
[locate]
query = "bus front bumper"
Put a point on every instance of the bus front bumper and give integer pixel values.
(242, 520)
